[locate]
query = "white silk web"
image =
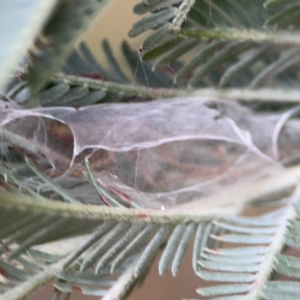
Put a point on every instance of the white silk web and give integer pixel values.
(159, 153)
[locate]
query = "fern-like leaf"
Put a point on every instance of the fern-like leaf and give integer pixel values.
(91, 191)
(224, 40)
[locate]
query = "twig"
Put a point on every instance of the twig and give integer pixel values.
(244, 35)
(262, 95)
(230, 202)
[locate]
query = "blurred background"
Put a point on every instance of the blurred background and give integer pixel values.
(113, 23)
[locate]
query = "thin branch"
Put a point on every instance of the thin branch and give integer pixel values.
(214, 207)
(244, 35)
(249, 95)
(93, 212)
(123, 89)
(263, 95)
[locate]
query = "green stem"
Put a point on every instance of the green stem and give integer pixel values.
(244, 36)
(122, 89)
(250, 95)
(213, 207)
(245, 94)
(25, 204)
